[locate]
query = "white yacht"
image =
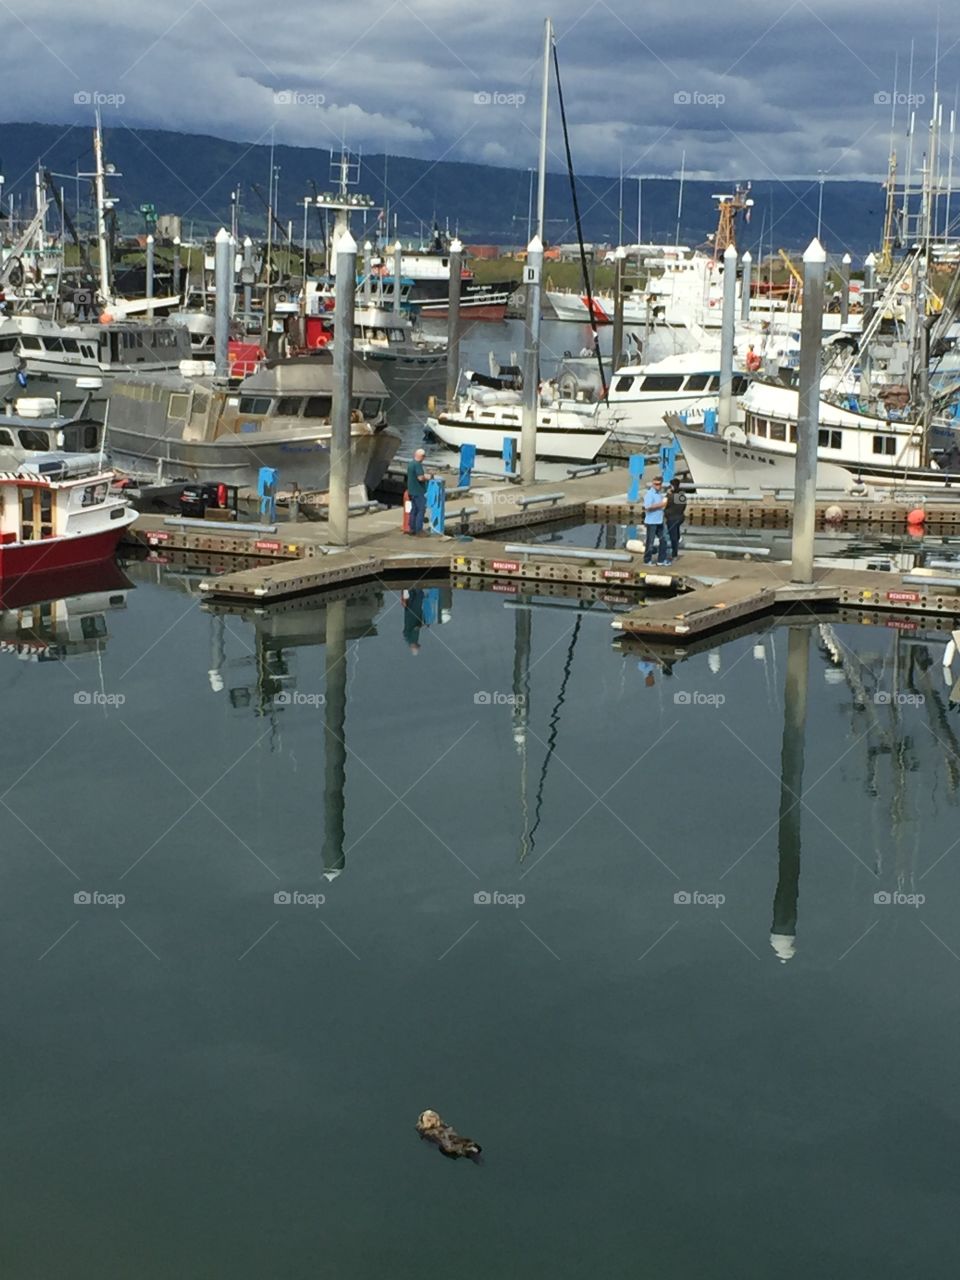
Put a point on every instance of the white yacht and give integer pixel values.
(486, 414)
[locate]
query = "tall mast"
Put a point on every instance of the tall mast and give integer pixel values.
(101, 212)
(544, 111)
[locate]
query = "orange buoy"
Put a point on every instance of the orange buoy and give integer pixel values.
(916, 516)
(105, 317)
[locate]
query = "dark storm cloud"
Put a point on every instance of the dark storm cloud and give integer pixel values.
(749, 89)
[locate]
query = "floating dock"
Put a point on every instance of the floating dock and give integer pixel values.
(702, 593)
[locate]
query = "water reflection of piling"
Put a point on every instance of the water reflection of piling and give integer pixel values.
(783, 931)
(335, 748)
(523, 624)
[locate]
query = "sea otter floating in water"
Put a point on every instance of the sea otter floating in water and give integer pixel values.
(431, 1127)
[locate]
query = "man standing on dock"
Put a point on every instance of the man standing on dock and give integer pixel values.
(654, 502)
(417, 490)
(675, 514)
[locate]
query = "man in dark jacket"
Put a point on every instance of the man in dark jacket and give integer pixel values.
(675, 514)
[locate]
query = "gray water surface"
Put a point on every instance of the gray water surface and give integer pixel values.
(209, 1081)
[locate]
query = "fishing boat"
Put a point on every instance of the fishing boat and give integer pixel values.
(487, 414)
(856, 449)
(32, 425)
(59, 511)
(200, 429)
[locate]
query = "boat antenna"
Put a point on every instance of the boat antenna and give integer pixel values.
(683, 170)
(576, 214)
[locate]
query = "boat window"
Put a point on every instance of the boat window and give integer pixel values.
(758, 426)
(829, 439)
(46, 513)
(662, 382)
(623, 384)
(370, 408)
(793, 433)
(6, 437)
(885, 445)
(94, 494)
(71, 345)
(88, 350)
(778, 431)
(36, 441)
(179, 405)
(317, 407)
(91, 437)
(697, 382)
(254, 404)
(714, 383)
(201, 402)
(26, 514)
(8, 344)
(29, 342)
(739, 385)
(290, 406)
(117, 512)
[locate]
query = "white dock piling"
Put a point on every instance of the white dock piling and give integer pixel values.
(346, 286)
(727, 323)
(808, 413)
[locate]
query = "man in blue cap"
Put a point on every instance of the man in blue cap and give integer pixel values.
(654, 502)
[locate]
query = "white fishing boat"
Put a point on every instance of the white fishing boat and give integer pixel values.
(856, 449)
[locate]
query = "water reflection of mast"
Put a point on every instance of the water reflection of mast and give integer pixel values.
(522, 626)
(783, 931)
(335, 747)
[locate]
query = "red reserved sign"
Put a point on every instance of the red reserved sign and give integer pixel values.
(904, 597)
(159, 536)
(511, 566)
(505, 588)
(622, 575)
(901, 624)
(269, 546)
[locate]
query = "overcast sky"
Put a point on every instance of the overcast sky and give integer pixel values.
(747, 90)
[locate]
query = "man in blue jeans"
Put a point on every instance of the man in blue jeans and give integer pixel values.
(654, 502)
(417, 489)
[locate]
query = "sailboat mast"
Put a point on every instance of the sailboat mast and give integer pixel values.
(101, 212)
(544, 111)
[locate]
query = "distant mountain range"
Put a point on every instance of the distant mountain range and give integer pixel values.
(193, 175)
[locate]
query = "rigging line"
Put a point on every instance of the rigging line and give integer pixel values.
(576, 215)
(553, 733)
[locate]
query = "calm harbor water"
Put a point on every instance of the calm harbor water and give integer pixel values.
(613, 912)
